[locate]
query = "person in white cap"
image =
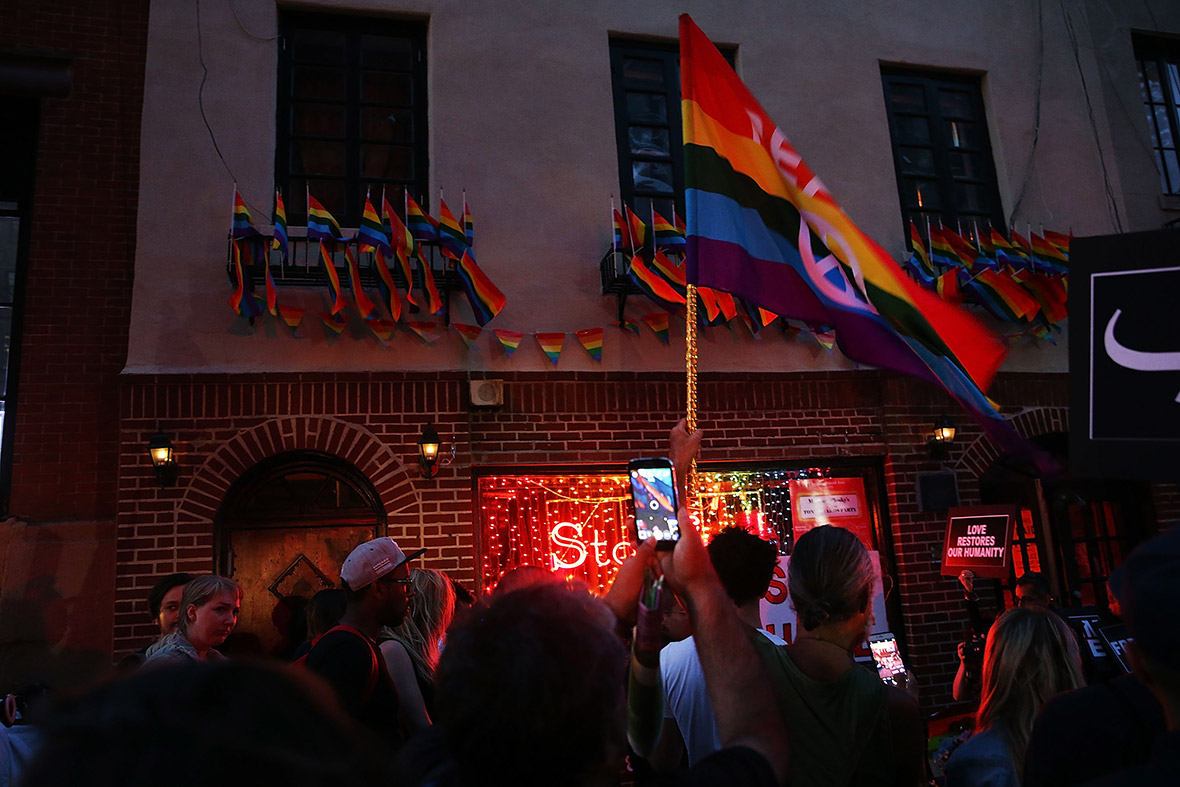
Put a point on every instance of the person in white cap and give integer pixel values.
(378, 592)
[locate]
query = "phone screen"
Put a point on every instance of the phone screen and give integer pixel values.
(653, 491)
(889, 664)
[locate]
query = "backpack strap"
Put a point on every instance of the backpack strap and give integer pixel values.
(374, 664)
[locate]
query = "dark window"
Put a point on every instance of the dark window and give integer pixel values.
(941, 151)
(1159, 84)
(351, 112)
(646, 81)
(18, 138)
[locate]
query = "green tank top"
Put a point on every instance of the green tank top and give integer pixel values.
(838, 729)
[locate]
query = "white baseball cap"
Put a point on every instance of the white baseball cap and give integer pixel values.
(373, 560)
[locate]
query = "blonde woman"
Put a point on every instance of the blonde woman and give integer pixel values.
(1031, 656)
(412, 649)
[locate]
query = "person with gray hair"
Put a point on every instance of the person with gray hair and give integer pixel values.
(209, 610)
(845, 725)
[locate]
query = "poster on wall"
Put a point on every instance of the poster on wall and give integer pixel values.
(1124, 356)
(978, 538)
(831, 501)
(780, 619)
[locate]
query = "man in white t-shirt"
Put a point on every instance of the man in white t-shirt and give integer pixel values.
(745, 564)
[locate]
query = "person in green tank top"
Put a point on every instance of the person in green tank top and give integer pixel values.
(846, 727)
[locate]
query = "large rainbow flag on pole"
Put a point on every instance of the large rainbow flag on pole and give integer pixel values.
(762, 226)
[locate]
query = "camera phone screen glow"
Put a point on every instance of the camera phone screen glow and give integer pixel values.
(654, 493)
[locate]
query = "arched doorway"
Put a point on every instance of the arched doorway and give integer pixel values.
(282, 532)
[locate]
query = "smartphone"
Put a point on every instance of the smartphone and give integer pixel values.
(890, 667)
(653, 495)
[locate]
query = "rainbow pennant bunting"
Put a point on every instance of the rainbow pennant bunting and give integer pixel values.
(826, 339)
(509, 339)
(551, 345)
(708, 298)
(591, 339)
(485, 298)
(382, 329)
(429, 332)
(658, 322)
(241, 226)
(468, 333)
(334, 322)
(292, 316)
(627, 326)
(761, 225)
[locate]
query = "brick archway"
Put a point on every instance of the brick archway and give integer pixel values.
(348, 441)
(1029, 423)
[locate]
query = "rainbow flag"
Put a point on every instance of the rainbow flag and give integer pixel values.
(338, 303)
(336, 323)
(658, 322)
(947, 286)
(671, 271)
(371, 235)
(622, 235)
(1003, 297)
(1058, 241)
(941, 250)
(1047, 254)
(434, 303)
(963, 250)
(280, 227)
(321, 225)
(450, 234)
(403, 246)
(637, 229)
(485, 298)
(1003, 249)
(668, 238)
(651, 283)
(1048, 292)
(762, 226)
(468, 333)
(363, 304)
(389, 294)
(919, 251)
(241, 226)
(468, 224)
(591, 339)
(292, 316)
(429, 332)
(421, 224)
(272, 292)
(244, 301)
(1022, 247)
(551, 345)
(510, 340)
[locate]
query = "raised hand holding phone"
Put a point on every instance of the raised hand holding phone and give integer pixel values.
(654, 499)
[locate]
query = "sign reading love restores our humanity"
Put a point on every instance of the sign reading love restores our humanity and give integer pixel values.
(978, 538)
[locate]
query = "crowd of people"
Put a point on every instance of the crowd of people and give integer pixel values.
(666, 679)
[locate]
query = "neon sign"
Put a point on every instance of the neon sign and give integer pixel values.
(569, 536)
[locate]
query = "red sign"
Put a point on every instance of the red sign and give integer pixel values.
(978, 538)
(831, 501)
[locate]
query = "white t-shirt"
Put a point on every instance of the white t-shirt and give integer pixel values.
(686, 699)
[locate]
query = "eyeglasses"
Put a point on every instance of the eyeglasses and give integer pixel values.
(406, 581)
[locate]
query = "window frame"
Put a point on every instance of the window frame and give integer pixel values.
(353, 27)
(1161, 52)
(951, 211)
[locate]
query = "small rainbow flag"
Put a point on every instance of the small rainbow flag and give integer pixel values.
(334, 322)
(429, 332)
(827, 339)
(947, 286)
(321, 225)
(291, 315)
(422, 225)
(468, 333)
(241, 226)
(638, 229)
(363, 304)
(658, 322)
(434, 303)
(668, 238)
(652, 283)
(673, 272)
(280, 226)
(708, 300)
(450, 234)
(338, 303)
(919, 251)
(244, 301)
(485, 298)
(551, 345)
(509, 339)
(383, 329)
(591, 339)
(468, 224)
(385, 284)
(403, 246)
(371, 235)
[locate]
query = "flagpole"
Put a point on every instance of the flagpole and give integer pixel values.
(690, 358)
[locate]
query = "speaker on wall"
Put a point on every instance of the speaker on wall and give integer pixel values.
(937, 491)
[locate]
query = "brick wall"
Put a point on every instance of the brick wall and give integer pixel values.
(222, 425)
(81, 258)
